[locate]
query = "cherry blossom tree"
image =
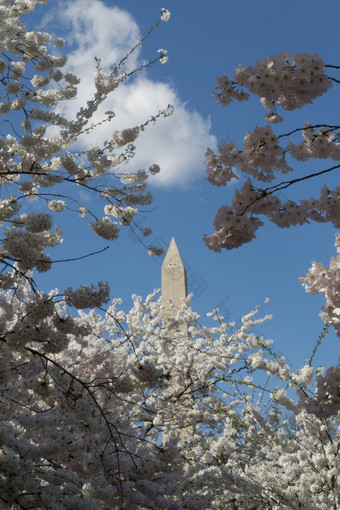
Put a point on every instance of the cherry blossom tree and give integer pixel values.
(39, 159)
(290, 83)
(103, 408)
(123, 410)
(277, 478)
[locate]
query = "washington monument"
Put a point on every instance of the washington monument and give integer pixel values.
(174, 281)
(174, 289)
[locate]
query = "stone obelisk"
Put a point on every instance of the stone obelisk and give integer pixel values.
(174, 281)
(174, 289)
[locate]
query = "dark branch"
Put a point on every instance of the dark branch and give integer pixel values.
(81, 257)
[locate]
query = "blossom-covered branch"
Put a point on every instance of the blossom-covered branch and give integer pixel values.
(289, 83)
(39, 152)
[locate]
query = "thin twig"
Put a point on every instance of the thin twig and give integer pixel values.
(82, 256)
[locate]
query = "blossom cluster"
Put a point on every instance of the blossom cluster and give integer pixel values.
(25, 242)
(87, 296)
(322, 280)
(236, 224)
(326, 401)
(261, 157)
(321, 142)
(165, 14)
(290, 82)
(105, 228)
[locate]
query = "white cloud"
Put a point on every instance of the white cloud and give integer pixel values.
(178, 143)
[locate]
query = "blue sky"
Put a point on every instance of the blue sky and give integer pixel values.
(203, 39)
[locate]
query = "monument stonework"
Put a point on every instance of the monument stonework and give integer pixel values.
(174, 289)
(174, 281)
